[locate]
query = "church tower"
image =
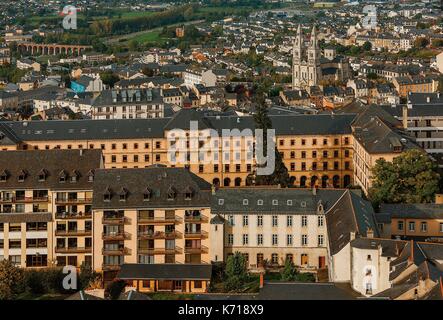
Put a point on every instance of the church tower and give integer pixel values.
(297, 56)
(314, 60)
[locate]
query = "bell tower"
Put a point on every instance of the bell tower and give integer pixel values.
(297, 56)
(314, 56)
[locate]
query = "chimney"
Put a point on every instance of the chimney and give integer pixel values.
(428, 99)
(352, 237)
(213, 189)
(262, 280)
(405, 117)
(314, 190)
(370, 233)
(81, 152)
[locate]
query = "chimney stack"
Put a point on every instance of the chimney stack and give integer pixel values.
(405, 117)
(370, 233)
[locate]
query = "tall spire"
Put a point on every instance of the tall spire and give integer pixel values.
(314, 40)
(299, 38)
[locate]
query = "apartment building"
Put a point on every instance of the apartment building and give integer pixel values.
(405, 85)
(418, 221)
(316, 149)
(45, 205)
(128, 104)
(147, 216)
(377, 135)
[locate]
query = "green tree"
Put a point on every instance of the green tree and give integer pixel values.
(115, 288)
(410, 178)
(109, 78)
(289, 272)
(86, 276)
(235, 271)
(421, 43)
(367, 46)
(280, 176)
(11, 280)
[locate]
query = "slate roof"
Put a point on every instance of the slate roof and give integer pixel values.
(53, 162)
(157, 181)
(390, 247)
(165, 271)
(416, 210)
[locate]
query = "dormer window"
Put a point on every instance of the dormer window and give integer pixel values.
(147, 194)
(62, 176)
(245, 202)
(260, 202)
(275, 202)
(123, 194)
(91, 176)
(74, 176)
(42, 175)
(107, 195)
(303, 204)
(289, 202)
(3, 176)
(189, 193)
(21, 176)
(171, 193)
(221, 202)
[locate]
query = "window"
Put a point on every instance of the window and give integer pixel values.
(320, 221)
(321, 240)
(424, 227)
(231, 220)
(411, 226)
(245, 202)
(274, 258)
(230, 239)
(289, 221)
(259, 221)
(289, 240)
(400, 225)
(260, 202)
(245, 239)
(304, 239)
(274, 221)
(274, 239)
(304, 221)
(198, 284)
(259, 239)
(369, 257)
(441, 226)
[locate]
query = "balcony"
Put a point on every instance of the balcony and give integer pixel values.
(113, 220)
(73, 215)
(68, 233)
(196, 219)
(196, 234)
(159, 235)
(73, 201)
(200, 250)
(176, 250)
(110, 267)
(115, 252)
(159, 220)
(25, 199)
(73, 250)
(115, 236)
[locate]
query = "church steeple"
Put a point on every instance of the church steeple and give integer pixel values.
(297, 49)
(314, 39)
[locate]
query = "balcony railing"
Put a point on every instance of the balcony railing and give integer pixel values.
(115, 236)
(159, 220)
(196, 234)
(73, 250)
(115, 252)
(75, 201)
(191, 250)
(176, 250)
(66, 233)
(113, 220)
(26, 199)
(110, 267)
(159, 235)
(73, 215)
(196, 219)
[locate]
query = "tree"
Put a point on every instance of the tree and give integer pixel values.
(115, 288)
(367, 46)
(109, 78)
(86, 276)
(410, 178)
(289, 272)
(280, 175)
(11, 280)
(421, 42)
(235, 271)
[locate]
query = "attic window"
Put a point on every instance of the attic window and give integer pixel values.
(221, 202)
(123, 194)
(42, 175)
(275, 202)
(22, 176)
(4, 176)
(62, 177)
(107, 195)
(147, 194)
(289, 202)
(171, 193)
(74, 176)
(245, 202)
(189, 193)
(260, 202)
(91, 176)
(303, 204)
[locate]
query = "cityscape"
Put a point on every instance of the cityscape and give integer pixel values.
(221, 150)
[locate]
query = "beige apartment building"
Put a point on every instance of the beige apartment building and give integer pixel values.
(316, 149)
(149, 216)
(45, 205)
